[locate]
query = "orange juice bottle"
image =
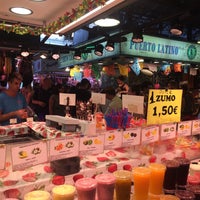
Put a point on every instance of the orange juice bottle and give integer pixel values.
(157, 178)
(141, 178)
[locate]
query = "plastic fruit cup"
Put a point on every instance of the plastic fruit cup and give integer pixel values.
(123, 184)
(37, 195)
(141, 179)
(86, 188)
(169, 184)
(105, 186)
(63, 192)
(185, 195)
(156, 178)
(182, 173)
(168, 197)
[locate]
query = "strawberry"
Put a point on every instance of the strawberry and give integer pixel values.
(77, 176)
(112, 167)
(102, 159)
(48, 169)
(111, 154)
(30, 177)
(152, 159)
(121, 150)
(12, 193)
(127, 167)
(90, 164)
(58, 180)
(11, 133)
(123, 159)
(10, 182)
(3, 173)
(183, 154)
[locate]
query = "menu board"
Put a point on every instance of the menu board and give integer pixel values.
(164, 106)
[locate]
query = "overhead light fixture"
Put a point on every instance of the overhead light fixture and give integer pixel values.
(55, 55)
(110, 4)
(107, 22)
(25, 52)
(110, 46)
(137, 37)
(43, 56)
(21, 11)
(77, 55)
(176, 29)
(98, 50)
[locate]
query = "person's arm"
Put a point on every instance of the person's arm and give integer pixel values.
(18, 113)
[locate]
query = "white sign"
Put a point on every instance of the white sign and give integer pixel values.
(63, 147)
(168, 131)
(98, 98)
(134, 104)
(113, 139)
(150, 134)
(3, 156)
(184, 128)
(65, 97)
(29, 154)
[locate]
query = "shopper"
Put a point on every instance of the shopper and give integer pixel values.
(115, 103)
(123, 87)
(12, 103)
(40, 99)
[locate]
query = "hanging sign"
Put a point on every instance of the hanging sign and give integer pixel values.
(164, 106)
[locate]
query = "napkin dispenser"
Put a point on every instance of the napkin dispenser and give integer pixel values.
(62, 123)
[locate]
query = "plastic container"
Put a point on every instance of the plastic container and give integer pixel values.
(86, 188)
(105, 186)
(37, 195)
(63, 192)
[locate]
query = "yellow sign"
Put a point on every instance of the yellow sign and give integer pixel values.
(164, 106)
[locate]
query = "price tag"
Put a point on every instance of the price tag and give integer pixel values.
(150, 134)
(195, 127)
(91, 144)
(113, 139)
(131, 137)
(168, 131)
(164, 106)
(184, 128)
(29, 154)
(63, 147)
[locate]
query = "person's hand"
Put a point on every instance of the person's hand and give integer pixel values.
(42, 104)
(22, 113)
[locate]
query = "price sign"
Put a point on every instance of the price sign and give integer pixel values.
(164, 106)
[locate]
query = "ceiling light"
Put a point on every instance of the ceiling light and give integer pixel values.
(55, 56)
(25, 53)
(77, 55)
(109, 46)
(21, 11)
(137, 37)
(99, 50)
(110, 4)
(107, 22)
(176, 30)
(43, 56)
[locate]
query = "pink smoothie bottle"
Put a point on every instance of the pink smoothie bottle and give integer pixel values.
(86, 188)
(105, 186)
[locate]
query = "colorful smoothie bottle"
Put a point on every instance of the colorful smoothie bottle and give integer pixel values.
(63, 192)
(123, 184)
(105, 186)
(141, 179)
(169, 185)
(157, 178)
(86, 188)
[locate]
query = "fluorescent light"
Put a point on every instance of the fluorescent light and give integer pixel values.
(21, 11)
(90, 15)
(107, 22)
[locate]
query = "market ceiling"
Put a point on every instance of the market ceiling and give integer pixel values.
(153, 17)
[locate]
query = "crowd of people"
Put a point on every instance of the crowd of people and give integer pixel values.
(16, 104)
